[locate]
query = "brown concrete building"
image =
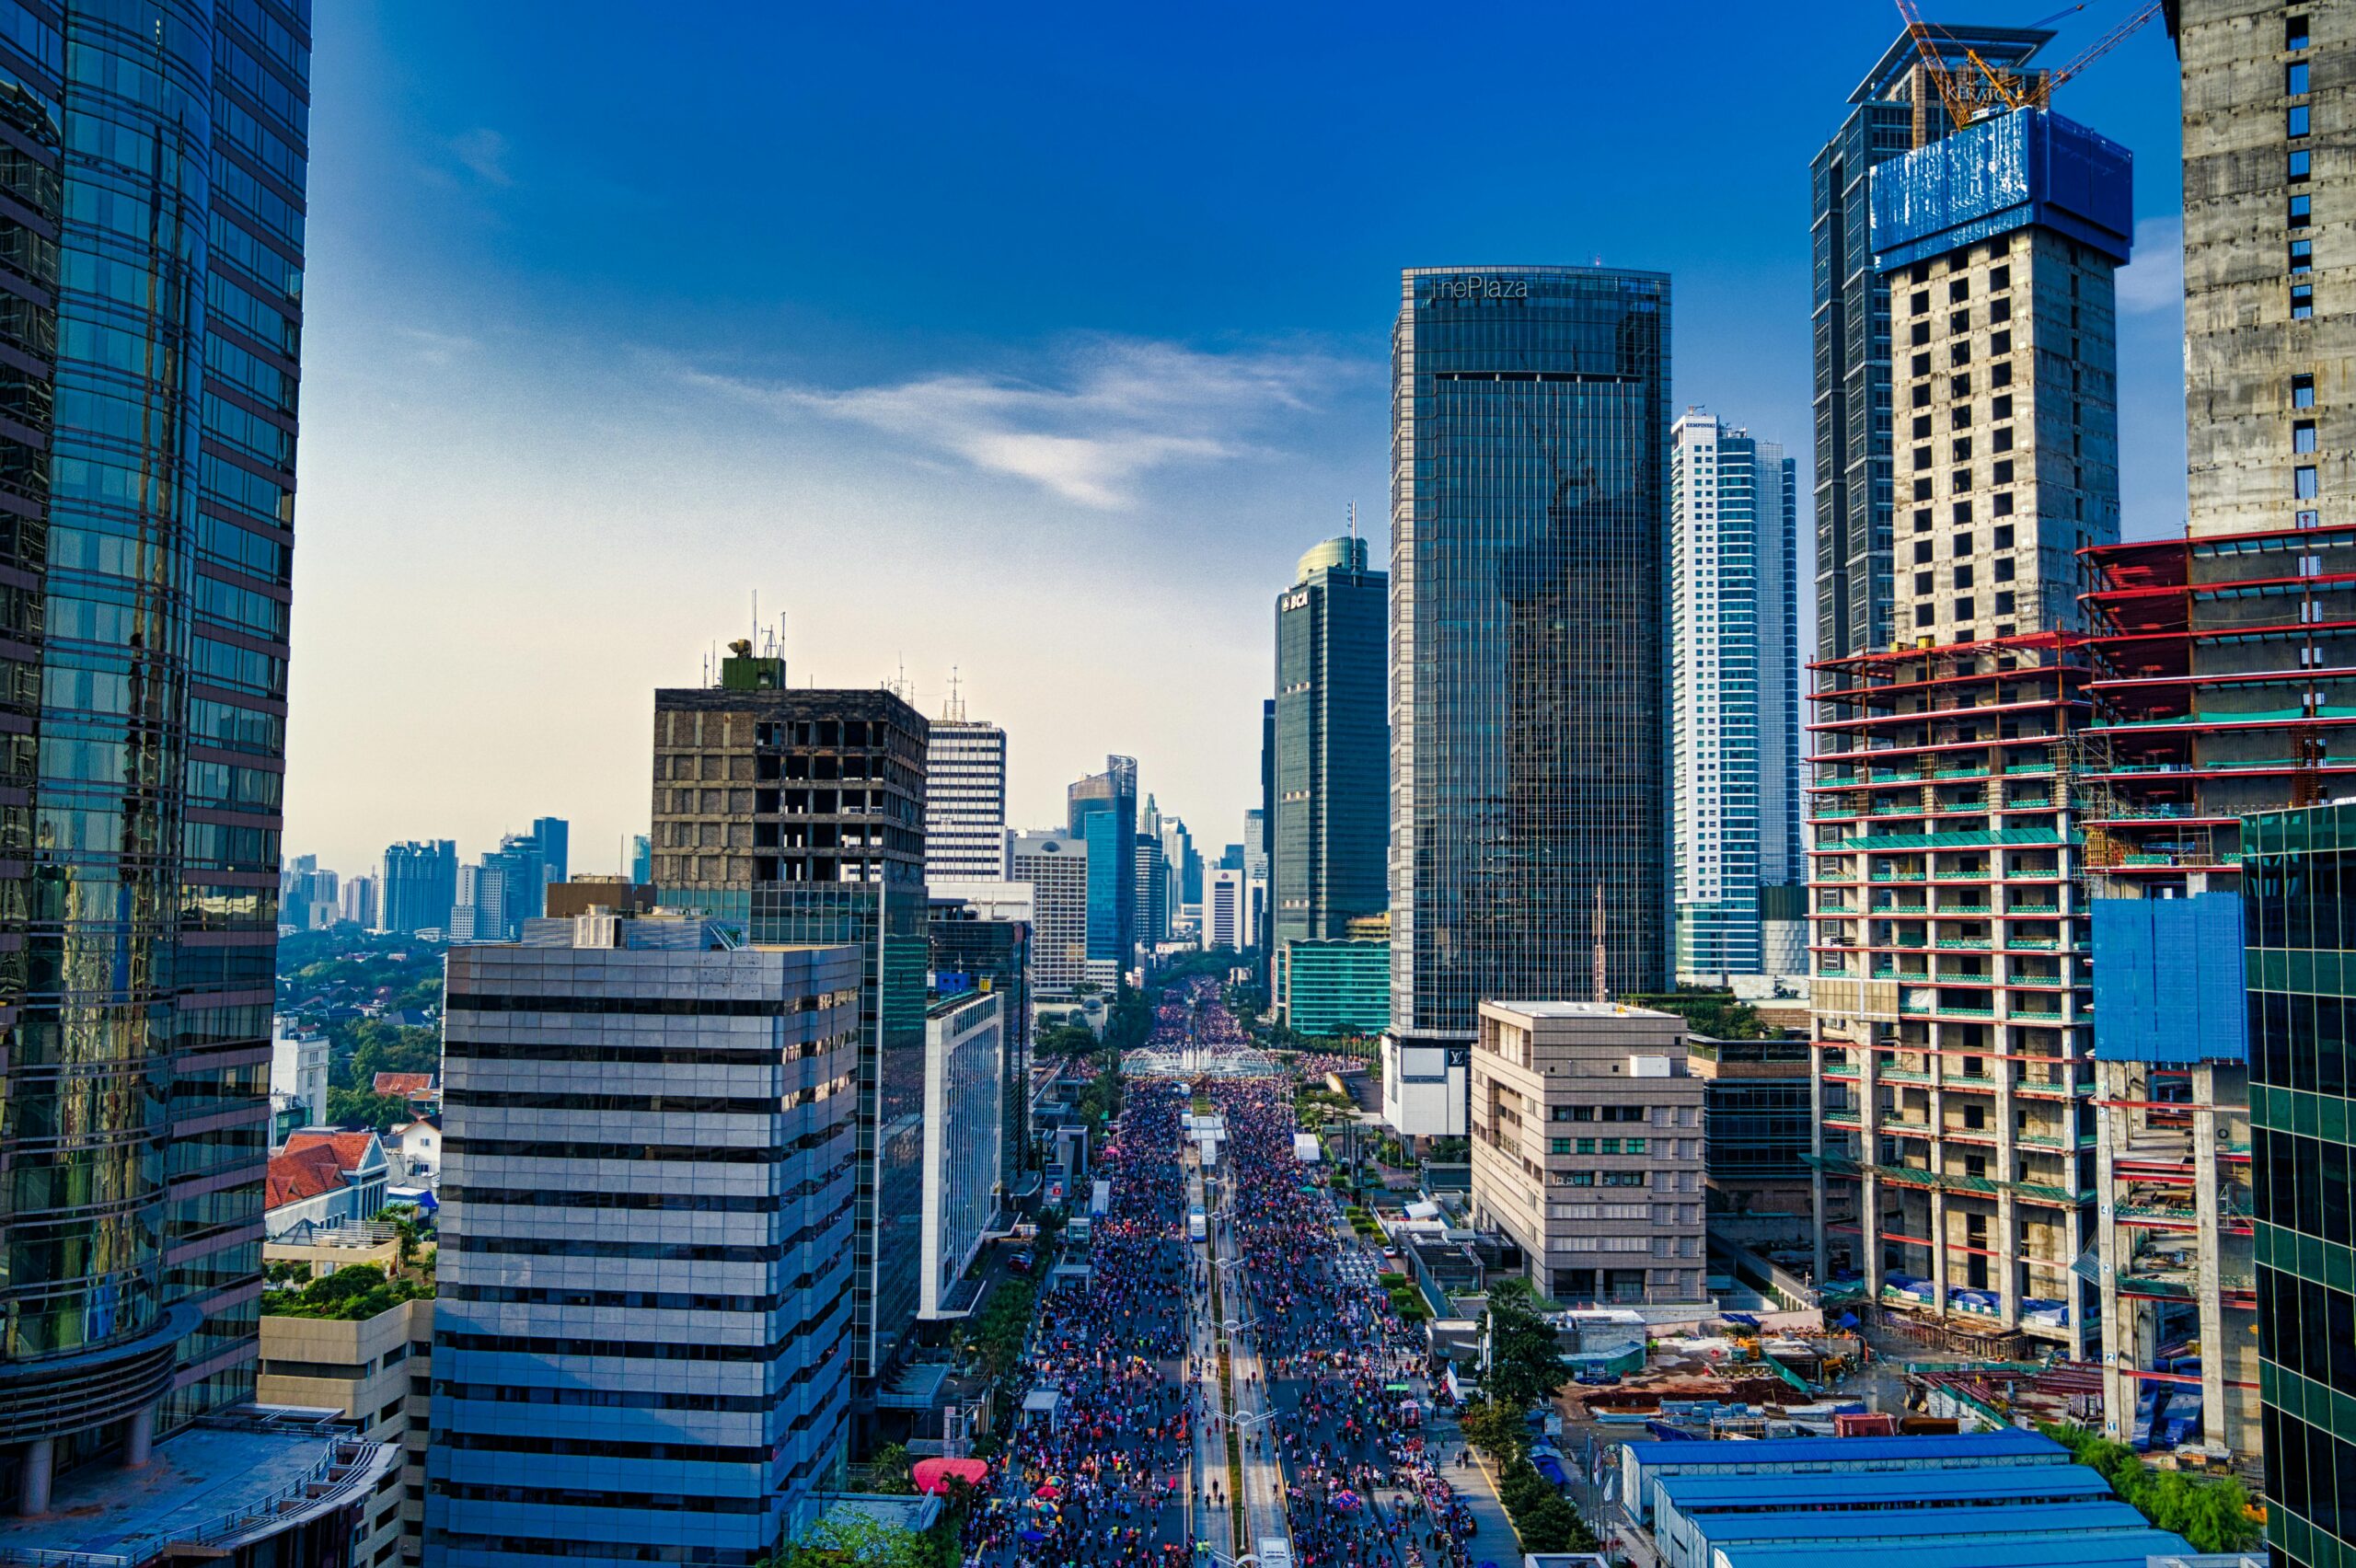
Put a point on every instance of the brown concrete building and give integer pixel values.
(1587, 1148)
(377, 1371)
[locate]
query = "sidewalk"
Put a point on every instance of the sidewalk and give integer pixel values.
(1493, 1541)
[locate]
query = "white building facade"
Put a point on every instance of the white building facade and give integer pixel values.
(964, 801)
(298, 1067)
(1734, 685)
(1055, 865)
(964, 1083)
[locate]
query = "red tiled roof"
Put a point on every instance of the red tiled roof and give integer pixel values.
(412, 1085)
(347, 1150)
(299, 1173)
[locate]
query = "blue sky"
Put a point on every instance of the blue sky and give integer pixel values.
(1035, 340)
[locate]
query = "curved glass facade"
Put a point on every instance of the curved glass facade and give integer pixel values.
(152, 156)
(1529, 552)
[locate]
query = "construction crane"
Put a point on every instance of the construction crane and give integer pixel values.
(1977, 87)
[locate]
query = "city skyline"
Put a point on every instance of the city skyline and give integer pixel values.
(1159, 428)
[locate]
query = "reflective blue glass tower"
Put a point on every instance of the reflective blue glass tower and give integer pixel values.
(1529, 552)
(152, 167)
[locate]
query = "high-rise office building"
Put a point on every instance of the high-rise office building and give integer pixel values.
(1103, 810)
(420, 886)
(641, 860)
(1152, 891)
(1156, 890)
(818, 837)
(1733, 690)
(1055, 865)
(964, 799)
(554, 837)
(1950, 1005)
(1185, 863)
(650, 1153)
(1332, 822)
(153, 242)
(1256, 877)
(1529, 736)
(2270, 281)
(2214, 664)
(1895, 108)
(1223, 912)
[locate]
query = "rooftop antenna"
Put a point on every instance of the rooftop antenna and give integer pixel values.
(954, 706)
(757, 621)
(1603, 992)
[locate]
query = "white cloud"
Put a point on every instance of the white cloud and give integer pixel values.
(1115, 411)
(484, 152)
(2153, 278)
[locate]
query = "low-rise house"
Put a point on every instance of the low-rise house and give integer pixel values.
(323, 1177)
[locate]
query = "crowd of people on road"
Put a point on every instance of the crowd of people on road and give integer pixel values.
(1098, 1480)
(1364, 1486)
(1103, 1480)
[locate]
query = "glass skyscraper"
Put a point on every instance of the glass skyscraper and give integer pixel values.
(1894, 109)
(1330, 784)
(2299, 921)
(1104, 816)
(151, 228)
(1529, 552)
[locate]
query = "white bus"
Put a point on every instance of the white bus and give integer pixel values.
(1197, 1224)
(1275, 1552)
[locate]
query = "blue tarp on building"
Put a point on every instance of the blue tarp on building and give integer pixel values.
(2169, 983)
(2002, 174)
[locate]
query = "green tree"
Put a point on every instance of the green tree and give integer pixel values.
(1552, 1524)
(1497, 1427)
(358, 1108)
(376, 1046)
(853, 1539)
(1525, 1356)
(892, 1471)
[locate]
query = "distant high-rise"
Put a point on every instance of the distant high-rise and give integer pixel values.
(1734, 695)
(420, 886)
(153, 244)
(358, 900)
(964, 799)
(1894, 108)
(1152, 889)
(1104, 816)
(825, 846)
(1256, 876)
(644, 1129)
(1331, 786)
(1223, 908)
(1055, 867)
(1529, 738)
(641, 860)
(554, 837)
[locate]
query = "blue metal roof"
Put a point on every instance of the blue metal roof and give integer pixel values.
(1903, 1528)
(2039, 1549)
(1704, 1494)
(1959, 1449)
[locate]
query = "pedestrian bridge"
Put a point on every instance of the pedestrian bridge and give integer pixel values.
(1194, 1062)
